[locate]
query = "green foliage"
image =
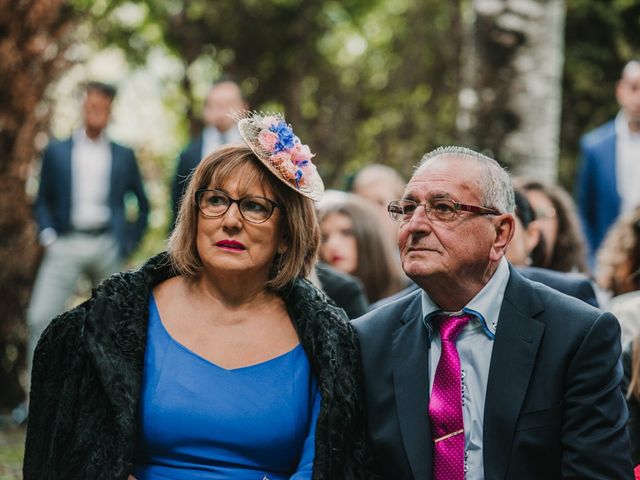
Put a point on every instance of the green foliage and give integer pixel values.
(11, 451)
(600, 38)
(363, 80)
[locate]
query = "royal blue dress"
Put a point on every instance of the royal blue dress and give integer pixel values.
(200, 421)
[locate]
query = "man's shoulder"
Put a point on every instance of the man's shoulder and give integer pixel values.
(554, 304)
(57, 145)
(574, 284)
(388, 315)
(193, 148)
(335, 279)
(120, 148)
(604, 133)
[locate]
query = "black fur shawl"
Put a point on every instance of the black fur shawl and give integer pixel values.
(88, 369)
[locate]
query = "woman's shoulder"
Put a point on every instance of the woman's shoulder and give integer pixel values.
(318, 320)
(121, 290)
(306, 298)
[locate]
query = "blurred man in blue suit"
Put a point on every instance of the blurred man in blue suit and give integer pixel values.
(610, 173)
(80, 210)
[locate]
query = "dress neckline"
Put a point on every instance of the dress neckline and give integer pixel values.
(156, 313)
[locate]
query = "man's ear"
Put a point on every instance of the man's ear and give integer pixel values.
(505, 226)
(533, 236)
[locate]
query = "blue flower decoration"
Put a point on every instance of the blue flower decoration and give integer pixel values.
(286, 138)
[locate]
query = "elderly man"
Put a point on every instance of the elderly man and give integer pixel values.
(482, 374)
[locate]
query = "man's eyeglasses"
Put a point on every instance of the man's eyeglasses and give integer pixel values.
(215, 203)
(440, 209)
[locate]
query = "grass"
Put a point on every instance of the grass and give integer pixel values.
(11, 452)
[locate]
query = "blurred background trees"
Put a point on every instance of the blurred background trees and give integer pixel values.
(509, 103)
(35, 37)
(362, 80)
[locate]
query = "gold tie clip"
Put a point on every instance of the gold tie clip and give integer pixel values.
(448, 435)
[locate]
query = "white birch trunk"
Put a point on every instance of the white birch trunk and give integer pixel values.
(510, 103)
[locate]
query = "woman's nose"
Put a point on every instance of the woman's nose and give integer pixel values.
(232, 216)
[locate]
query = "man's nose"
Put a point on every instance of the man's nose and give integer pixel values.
(419, 221)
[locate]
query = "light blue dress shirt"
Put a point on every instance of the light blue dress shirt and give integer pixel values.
(212, 139)
(474, 345)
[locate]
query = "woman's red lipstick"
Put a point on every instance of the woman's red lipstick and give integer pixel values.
(230, 245)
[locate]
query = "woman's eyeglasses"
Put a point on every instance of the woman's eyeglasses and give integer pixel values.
(215, 203)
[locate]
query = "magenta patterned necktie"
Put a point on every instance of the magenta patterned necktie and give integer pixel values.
(445, 404)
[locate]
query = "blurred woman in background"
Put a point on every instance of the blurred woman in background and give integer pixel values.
(556, 217)
(618, 272)
(354, 241)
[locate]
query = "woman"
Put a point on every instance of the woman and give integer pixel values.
(555, 213)
(618, 272)
(619, 256)
(216, 359)
(353, 241)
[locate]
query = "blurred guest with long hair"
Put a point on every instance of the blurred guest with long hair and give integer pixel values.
(618, 272)
(353, 241)
(526, 250)
(380, 184)
(619, 258)
(556, 216)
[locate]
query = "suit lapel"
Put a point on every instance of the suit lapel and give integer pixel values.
(410, 346)
(115, 173)
(513, 358)
(65, 180)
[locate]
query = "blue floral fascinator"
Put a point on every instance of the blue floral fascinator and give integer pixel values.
(272, 140)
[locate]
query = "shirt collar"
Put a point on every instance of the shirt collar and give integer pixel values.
(621, 126)
(80, 135)
(211, 134)
(485, 306)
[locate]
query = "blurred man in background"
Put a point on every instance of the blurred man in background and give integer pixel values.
(610, 173)
(380, 184)
(223, 97)
(80, 210)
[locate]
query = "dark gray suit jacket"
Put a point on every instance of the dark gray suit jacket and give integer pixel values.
(553, 406)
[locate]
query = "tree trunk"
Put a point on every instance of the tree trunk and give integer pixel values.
(510, 102)
(31, 57)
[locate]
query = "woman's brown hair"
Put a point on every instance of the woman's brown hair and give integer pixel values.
(298, 218)
(569, 253)
(377, 266)
(619, 256)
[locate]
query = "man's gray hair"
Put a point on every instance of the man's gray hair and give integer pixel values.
(495, 183)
